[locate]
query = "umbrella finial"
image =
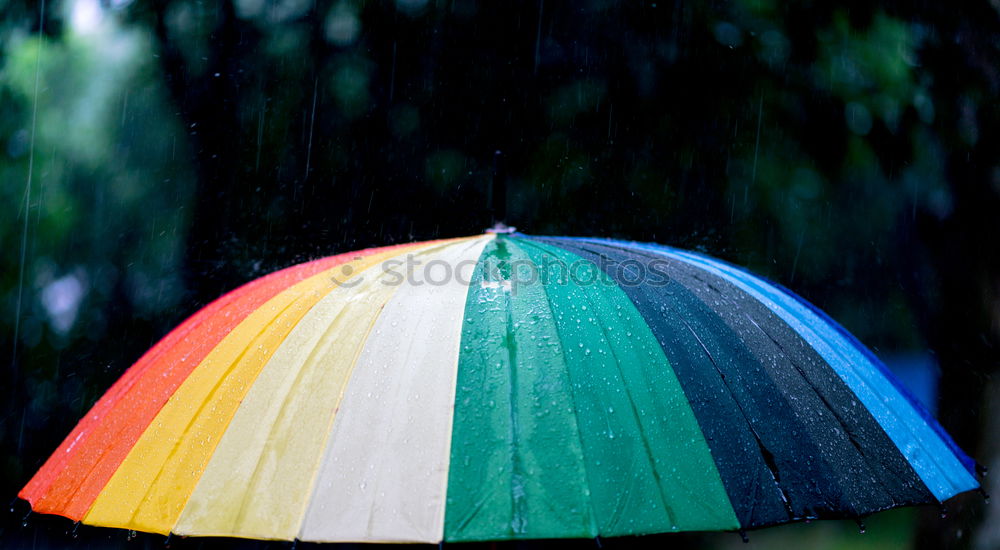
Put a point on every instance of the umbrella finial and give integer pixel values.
(501, 228)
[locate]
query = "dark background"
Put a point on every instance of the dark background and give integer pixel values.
(158, 153)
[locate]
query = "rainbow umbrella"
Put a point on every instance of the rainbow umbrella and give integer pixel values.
(499, 387)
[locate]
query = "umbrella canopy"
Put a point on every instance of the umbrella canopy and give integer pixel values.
(500, 387)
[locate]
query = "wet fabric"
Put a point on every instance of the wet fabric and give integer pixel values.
(530, 387)
(585, 430)
(814, 450)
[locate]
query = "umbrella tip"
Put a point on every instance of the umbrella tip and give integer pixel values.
(501, 228)
(743, 535)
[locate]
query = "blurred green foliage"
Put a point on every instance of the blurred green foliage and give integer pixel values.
(97, 235)
(155, 154)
